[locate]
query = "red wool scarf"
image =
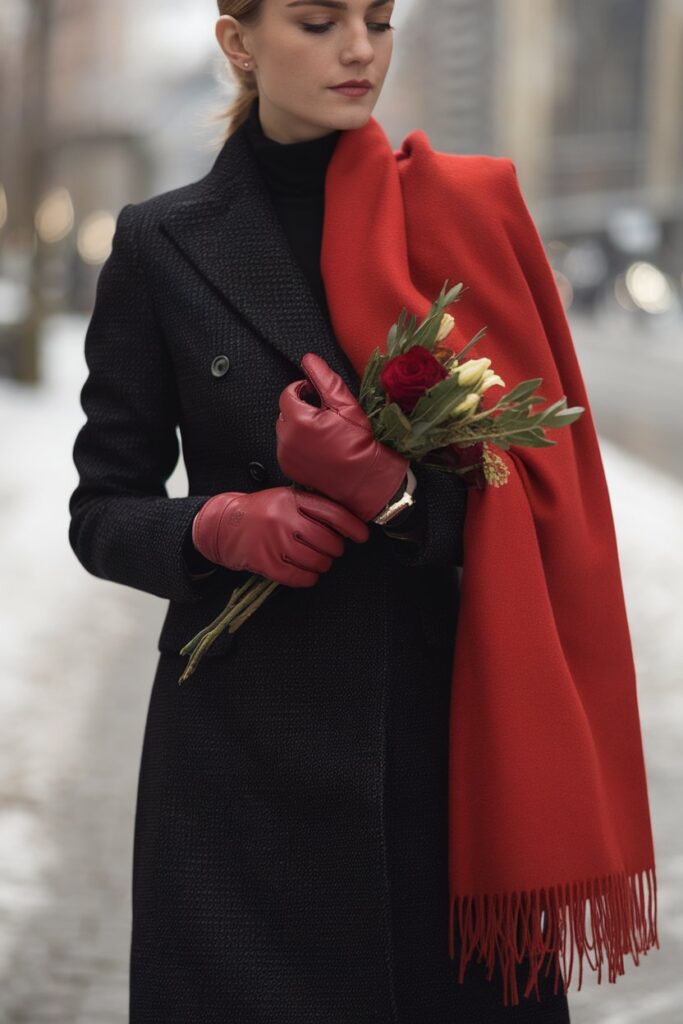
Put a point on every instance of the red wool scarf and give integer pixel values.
(548, 806)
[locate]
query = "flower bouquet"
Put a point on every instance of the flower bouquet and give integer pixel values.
(422, 400)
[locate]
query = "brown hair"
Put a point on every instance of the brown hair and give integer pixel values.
(248, 12)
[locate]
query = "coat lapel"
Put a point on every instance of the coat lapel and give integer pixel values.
(229, 231)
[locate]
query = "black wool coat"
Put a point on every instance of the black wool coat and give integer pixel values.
(290, 852)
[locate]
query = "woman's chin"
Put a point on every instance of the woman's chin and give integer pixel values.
(354, 116)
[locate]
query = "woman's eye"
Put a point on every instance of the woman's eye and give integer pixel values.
(324, 26)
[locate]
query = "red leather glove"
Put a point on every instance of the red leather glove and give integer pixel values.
(283, 533)
(332, 448)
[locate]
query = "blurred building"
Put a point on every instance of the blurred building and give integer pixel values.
(97, 101)
(585, 97)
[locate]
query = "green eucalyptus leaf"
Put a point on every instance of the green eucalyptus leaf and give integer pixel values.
(531, 440)
(568, 416)
(521, 391)
(438, 402)
(395, 421)
(370, 379)
(391, 339)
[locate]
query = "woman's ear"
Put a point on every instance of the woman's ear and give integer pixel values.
(229, 36)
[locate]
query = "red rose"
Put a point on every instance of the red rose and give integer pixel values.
(405, 378)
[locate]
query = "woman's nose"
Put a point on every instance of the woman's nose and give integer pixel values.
(360, 46)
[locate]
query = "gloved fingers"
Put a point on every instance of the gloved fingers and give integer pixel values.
(293, 408)
(321, 538)
(295, 576)
(308, 561)
(333, 392)
(332, 514)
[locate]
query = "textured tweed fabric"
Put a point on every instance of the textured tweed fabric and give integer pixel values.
(289, 864)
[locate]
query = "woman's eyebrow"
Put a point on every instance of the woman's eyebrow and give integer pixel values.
(338, 4)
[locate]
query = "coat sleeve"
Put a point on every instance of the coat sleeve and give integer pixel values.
(123, 525)
(435, 522)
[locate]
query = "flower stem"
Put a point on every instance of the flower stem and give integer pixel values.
(256, 603)
(243, 601)
(237, 593)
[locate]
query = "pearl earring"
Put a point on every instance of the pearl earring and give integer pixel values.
(246, 64)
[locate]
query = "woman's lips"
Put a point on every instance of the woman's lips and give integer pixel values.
(351, 90)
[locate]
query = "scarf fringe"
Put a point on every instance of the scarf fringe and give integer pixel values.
(509, 927)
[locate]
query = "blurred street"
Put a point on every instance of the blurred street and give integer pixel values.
(632, 371)
(68, 765)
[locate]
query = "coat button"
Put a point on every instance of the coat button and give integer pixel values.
(258, 471)
(220, 366)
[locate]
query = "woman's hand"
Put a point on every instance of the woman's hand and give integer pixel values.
(282, 533)
(332, 447)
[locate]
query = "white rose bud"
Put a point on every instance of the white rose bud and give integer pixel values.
(468, 403)
(446, 326)
(489, 382)
(471, 371)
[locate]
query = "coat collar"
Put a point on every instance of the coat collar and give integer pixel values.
(228, 229)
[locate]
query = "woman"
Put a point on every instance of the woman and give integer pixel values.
(290, 858)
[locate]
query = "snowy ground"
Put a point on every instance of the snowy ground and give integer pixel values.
(77, 661)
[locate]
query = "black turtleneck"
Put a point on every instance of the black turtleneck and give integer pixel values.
(294, 174)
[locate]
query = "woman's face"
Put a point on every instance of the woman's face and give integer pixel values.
(300, 49)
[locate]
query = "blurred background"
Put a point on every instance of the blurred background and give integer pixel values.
(107, 103)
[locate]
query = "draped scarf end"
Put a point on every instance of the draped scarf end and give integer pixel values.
(549, 924)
